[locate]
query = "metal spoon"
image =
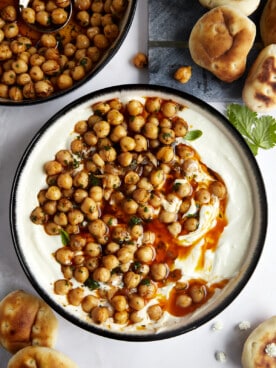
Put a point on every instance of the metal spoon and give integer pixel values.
(46, 29)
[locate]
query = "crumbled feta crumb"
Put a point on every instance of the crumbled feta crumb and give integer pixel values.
(270, 350)
(244, 325)
(220, 356)
(217, 326)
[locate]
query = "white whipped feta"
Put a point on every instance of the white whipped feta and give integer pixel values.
(217, 150)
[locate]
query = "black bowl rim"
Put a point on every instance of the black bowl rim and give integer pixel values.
(107, 58)
(259, 244)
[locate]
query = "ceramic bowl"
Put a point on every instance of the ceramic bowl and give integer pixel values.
(66, 36)
(226, 268)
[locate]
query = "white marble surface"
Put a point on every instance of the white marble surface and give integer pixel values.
(195, 349)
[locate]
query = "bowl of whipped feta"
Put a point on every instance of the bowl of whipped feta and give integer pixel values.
(138, 212)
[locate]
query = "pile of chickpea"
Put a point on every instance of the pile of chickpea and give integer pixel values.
(37, 65)
(46, 13)
(106, 196)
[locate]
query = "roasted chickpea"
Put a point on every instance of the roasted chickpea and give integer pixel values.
(135, 107)
(92, 263)
(101, 274)
(136, 231)
(62, 287)
(125, 158)
(81, 179)
(43, 88)
(38, 216)
(145, 254)
(78, 72)
(165, 154)
(127, 144)
(53, 193)
(150, 130)
(125, 254)
(64, 256)
(175, 228)
(140, 60)
(64, 205)
(101, 41)
(167, 217)
(100, 314)
(202, 196)
(147, 289)
(75, 217)
(119, 303)
(155, 312)
(190, 224)
(131, 279)
(180, 127)
(50, 207)
(81, 274)
(136, 302)
(65, 181)
(135, 317)
(121, 317)
(4, 90)
(97, 228)
(197, 293)
(8, 13)
(146, 212)
(169, 108)
(129, 206)
(159, 271)
(9, 77)
(61, 219)
(218, 189)
(15, 93)
(110, 261)
(141, 143)
(89, 302)
(75, 296)
(59, 16)
(112, 247)
(183, 300)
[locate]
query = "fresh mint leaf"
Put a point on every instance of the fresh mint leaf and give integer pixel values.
(192, 135)
(65, 238)
(258, 132)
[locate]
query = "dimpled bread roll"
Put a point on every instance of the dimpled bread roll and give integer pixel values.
(268, 23)
(247, 7)
(259, 91)
(40, 357)
(220, 42)
(26, 320)
(260, 347)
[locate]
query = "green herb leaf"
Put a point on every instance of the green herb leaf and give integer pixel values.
(94, 181)
(145, 282)
(92, 284)
(258, 132)
(192, 135)
(134, 221)
(65, 238)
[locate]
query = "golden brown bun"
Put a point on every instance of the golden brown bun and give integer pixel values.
(259, 91)
(40, 357)
(268, 23)
(26, 320)
(256, 352)
(220, 42)
(247, 7)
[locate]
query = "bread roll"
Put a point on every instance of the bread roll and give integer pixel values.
(40, 357)
(259, 91)
(260, 346)
(220, 42)
(247, 7)
(26, 320)
(268, 23)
